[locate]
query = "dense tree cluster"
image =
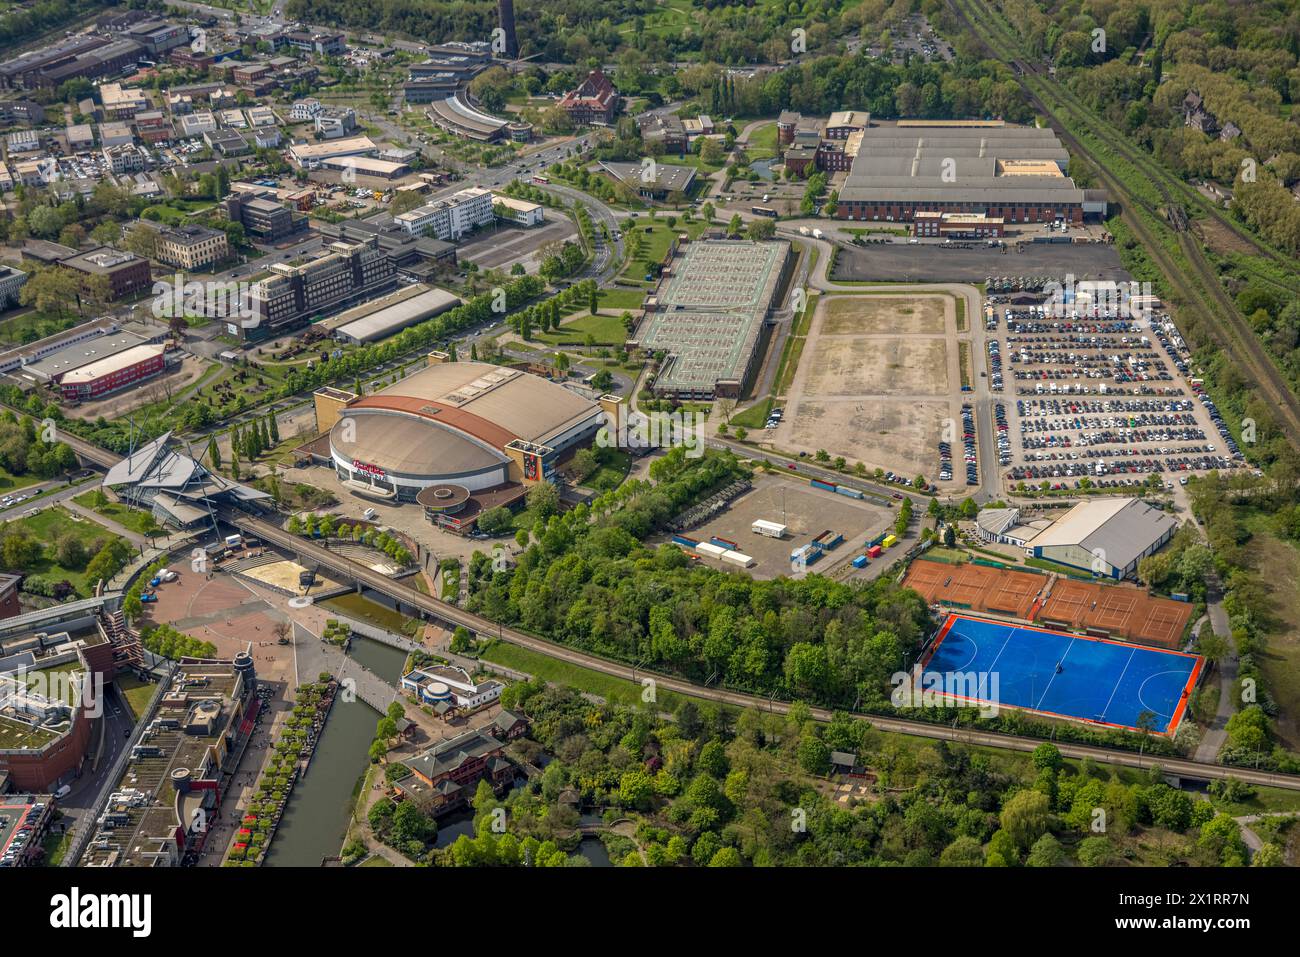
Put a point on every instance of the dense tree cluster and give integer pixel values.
(586, 579)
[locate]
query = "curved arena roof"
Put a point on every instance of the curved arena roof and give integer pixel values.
(454, 418)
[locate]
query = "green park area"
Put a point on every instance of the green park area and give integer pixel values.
(133, 518)
(647, 243)
(136, 692)
(55, 545)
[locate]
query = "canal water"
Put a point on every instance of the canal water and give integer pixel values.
(316, 820)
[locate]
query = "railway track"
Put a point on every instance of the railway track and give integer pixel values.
(411, 597)
(1201, 293)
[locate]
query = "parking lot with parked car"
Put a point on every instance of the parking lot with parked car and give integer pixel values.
(1103, 396)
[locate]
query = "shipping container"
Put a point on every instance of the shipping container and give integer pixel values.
(877, 540)
(770, 529)
(724, 542)
(683, 540)
(708, 548)
(889, 541)
(1180, 596)
(737, 558)
(874, 551)
(850, 492)
(860, 561)
(818, 483)
(829, 539)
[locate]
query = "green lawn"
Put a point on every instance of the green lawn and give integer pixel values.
(656, 237)
(133, 518)
(612, 689)
(762, 142)
(34, 325)
(604, 330)
(137, 693)
(10, 482)
(49, 525)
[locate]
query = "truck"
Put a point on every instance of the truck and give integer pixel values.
(770, 529)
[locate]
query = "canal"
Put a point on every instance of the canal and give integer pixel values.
(316, 819)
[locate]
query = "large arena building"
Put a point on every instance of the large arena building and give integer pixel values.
(468, 424)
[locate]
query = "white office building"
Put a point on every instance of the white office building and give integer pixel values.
(451, 218)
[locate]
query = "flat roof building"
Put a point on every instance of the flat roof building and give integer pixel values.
(387, 315)
(709, 314)
(1013, 172)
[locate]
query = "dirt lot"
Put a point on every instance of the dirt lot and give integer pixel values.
(872, 366)
(850, 315)
(876, 381)
(806, 510)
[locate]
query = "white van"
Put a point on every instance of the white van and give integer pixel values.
(370, 515)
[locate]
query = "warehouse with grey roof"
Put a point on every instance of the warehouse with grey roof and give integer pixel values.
(1014, 172)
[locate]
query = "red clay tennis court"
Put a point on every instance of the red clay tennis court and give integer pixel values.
(976, 587)
(1115, 611)
(1120, 611)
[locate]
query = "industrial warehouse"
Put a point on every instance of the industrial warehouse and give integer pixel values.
(455, 428)
(709, 315)
(1011, 173)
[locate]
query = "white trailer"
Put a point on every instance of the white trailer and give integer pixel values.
(708, 548)
(771, 529)
(738, 558)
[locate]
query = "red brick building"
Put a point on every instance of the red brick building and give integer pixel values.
(594, 101)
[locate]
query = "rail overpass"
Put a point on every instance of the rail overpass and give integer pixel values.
(425, 605)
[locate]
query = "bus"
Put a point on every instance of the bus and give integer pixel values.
(763, 211)
(540, 180)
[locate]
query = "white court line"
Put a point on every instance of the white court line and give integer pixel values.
(1053, 678)
(1131, 654)
(1011, 634)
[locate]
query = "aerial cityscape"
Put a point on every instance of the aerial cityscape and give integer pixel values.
(663, 433)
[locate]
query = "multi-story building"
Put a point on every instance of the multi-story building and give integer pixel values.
(303, 110)
(322, 44)
(450, 218)
(23, 141)
(335, 122)
(152, 126)
(122, 103)
(22, 111)
(261, 216)
(126, 158)
(128, 274)
(116, 133)
(338, 276)
(594, 101)
(11, 281)
(446, 688)
(443, 777)
(175, 775)
(159, 37)
(191, 246)
(197, 124)
(113, 373)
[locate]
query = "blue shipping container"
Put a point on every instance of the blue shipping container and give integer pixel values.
(817, 483)
(860, 561)
(850, 492)
(683, 540)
